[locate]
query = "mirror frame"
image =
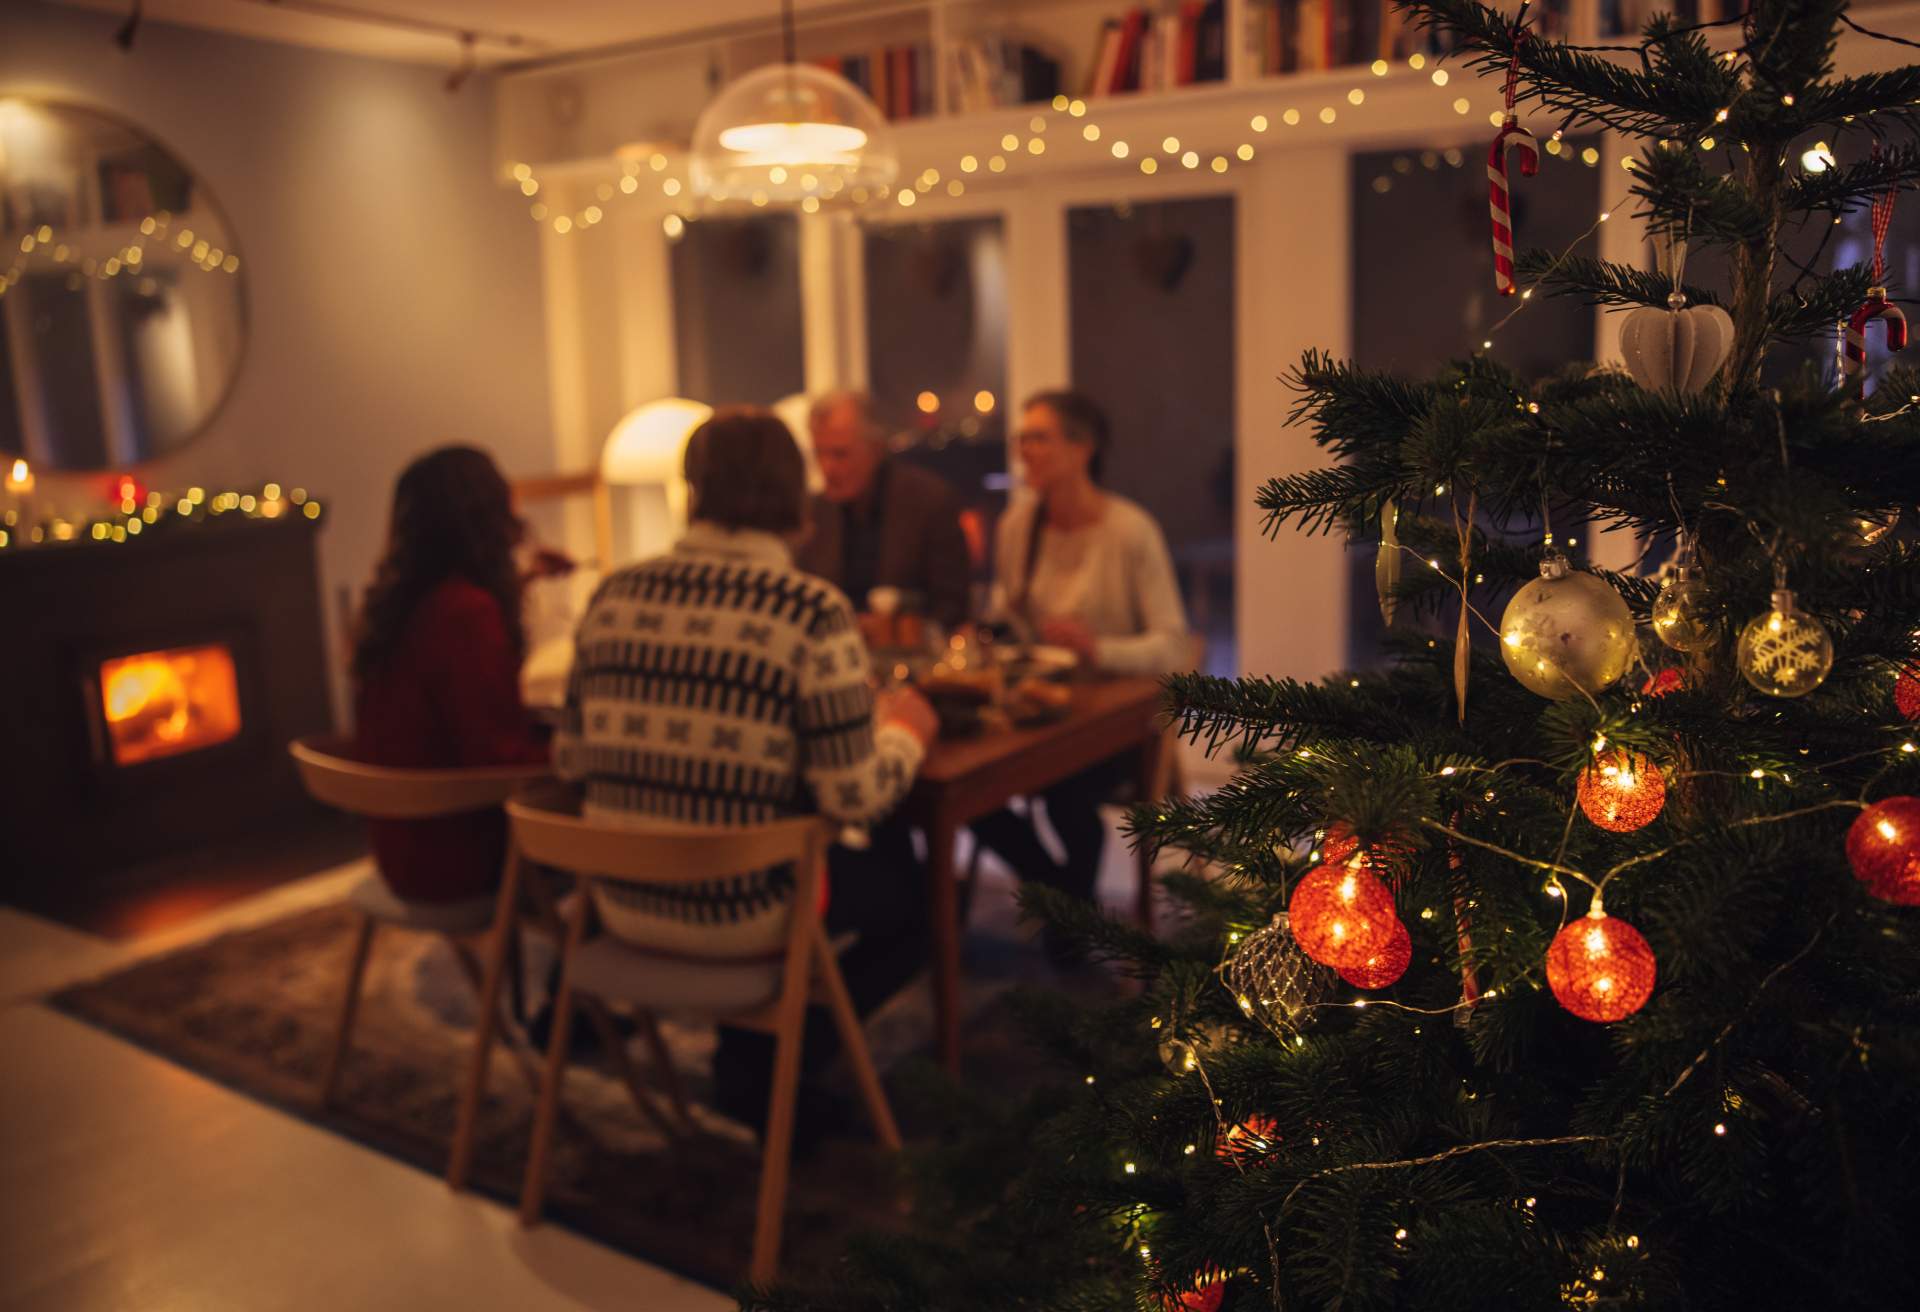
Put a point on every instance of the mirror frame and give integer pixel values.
(241, 291)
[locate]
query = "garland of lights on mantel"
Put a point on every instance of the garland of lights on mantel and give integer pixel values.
(139, 513)
(998, 156)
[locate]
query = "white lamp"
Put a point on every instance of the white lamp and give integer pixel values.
(647, 451)
(791, 133)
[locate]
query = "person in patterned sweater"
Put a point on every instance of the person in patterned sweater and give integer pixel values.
(719, 685)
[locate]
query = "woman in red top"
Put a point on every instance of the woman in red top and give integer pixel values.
(436, 666)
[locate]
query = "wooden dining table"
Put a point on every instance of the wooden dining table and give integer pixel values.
(965, 779)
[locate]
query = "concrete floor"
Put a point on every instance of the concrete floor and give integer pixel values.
(127, 1183)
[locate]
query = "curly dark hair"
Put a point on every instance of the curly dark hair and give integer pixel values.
(452, 518)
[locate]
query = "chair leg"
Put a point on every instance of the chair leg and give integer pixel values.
(517, 977)
(470, 967)
(349, 1005)
(663, 1061)
(853, 1040)
(771, 1212)
(506, 929)
(533, 1187)
(623, 1065)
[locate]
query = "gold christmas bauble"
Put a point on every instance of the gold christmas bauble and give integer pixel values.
(1565, 631)
(1785, 653)
(1679, 613)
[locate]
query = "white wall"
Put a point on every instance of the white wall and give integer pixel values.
(394, 287)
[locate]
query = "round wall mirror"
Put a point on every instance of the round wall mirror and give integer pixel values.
(122, 293)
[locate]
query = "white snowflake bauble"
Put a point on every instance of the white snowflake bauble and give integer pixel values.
(1566, 631)
(1785, 653)
(1678, 618)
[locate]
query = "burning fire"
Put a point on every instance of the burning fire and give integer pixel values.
(163, 703)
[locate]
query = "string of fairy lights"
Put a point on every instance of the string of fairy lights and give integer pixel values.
(1165, 155)
(153, 241)
(138, 514)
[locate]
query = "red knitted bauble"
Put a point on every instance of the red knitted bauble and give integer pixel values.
(1883, 847)
(1341, 915)
(1386, 966)
(1600, 968)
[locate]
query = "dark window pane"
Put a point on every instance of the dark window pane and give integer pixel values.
(937, 347)
(1423, 258)
(736, 299)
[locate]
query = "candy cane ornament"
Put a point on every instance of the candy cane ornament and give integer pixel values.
(1512, 137)
(1876, 306)
(1853, 362)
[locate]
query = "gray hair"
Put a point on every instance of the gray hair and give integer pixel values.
(824, 406)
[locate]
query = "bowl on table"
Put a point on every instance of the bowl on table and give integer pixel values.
(961, 698)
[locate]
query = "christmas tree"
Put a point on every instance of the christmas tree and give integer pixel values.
(1574, 957)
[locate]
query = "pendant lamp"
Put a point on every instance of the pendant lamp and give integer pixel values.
(790, 131)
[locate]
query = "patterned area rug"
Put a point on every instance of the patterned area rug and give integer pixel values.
(255, 1009)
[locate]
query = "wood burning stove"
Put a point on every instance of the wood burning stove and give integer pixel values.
(155, 686)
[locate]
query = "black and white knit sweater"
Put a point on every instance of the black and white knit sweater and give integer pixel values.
(719, 685)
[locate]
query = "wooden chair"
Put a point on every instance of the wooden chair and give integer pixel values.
(770, 996)
(333, 777)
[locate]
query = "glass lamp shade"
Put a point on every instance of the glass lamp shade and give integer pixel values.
(648, 447)
(789, 131)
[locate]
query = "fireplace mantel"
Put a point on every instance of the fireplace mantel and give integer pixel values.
(230, 611)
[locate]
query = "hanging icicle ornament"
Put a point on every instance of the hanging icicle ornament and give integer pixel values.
(1385, 967)
(1342, 915)
(1511, 137)
(1386, 562)
(1876, 306)
(1680, 618)
(1599, 967)
(1785, 652)
(1566, 631)
(1681, 347)
(1883, 847)
(1272, 980)
(1622, 791)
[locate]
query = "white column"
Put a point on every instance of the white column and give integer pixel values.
(1295, 292)
(833, 302)
(1622, 240)
(1039, 341)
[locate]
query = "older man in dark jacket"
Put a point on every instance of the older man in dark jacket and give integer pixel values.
(882, 523)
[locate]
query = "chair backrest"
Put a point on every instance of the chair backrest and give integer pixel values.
(383, 792)
(548, 828)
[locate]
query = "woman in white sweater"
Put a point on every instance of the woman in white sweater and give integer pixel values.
(1080, 567)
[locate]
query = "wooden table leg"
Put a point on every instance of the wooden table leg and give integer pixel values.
(944, 895)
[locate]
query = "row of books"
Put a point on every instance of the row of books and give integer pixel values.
(1176, 46)
(988, 71)
(898, 78)
(1176, 43)
(1290, 36)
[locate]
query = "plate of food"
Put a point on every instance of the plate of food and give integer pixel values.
(1039, 661)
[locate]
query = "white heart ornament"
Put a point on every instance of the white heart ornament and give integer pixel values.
(1680, 348)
